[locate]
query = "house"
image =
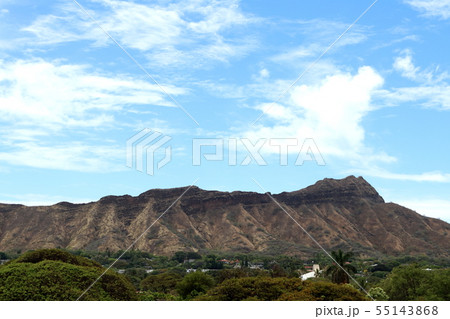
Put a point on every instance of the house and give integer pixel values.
(255, 265)
(229, 261)
(202, 270)
(311, 274)
(188, 261)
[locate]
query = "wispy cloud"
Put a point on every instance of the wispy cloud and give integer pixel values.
(317, 35)
(432, 8)
(66, 156)
(436, 177)
(52, 93)
(175, 33)
(50, 113)
(431, 88)
(404, 64)
(428, 96)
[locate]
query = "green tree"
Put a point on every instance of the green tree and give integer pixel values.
(179, 256)
(277, 271)
(378, 294)
(404, 282)
(193, 255)
(290, 264)
(225, 274)
(324, 291)
(412, 282)
(211, 262)
(53, 274)
(282, 288)
(253, 288)
(194, 284)
(163, 283)
(340, 269)
(135, 275)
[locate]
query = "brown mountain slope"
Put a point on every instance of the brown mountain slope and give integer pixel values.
(346, 213)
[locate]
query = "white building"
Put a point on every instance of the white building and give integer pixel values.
(312, 273)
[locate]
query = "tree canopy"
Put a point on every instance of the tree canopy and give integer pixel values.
(194, 284)
(280, 288)
(412, 282)
(53, 274)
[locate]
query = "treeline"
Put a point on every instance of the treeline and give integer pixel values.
(61, 275)
(242, 284)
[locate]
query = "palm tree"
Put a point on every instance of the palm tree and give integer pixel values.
(317, 273)
(342, 262)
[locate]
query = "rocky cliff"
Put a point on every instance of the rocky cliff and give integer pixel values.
(346, 213)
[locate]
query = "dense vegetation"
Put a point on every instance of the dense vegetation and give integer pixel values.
(281, 288)
(54, 274)
(412, 282)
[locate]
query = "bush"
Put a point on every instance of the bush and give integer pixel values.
(378, 294)
(414, 283)
(157, 296)
(267, 288)
(162, 283)
(62, 276)
(37, 256)
(194, 284)
(255, 288)
(324, 291)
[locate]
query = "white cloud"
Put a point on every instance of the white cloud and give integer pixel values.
(51, 113)
(436, 208)
(71, 156)
(432, 8)
(16, 134)
(216, 15)
(405, 66)
(429, 96)
(52, 93)
(318, 35)
(433, 89)
(329, 111)
(299, 53)
(264, 73)
(176, 33)
(38, 199)
(422, 177)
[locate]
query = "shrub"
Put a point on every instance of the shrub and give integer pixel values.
(194, 284)
(62, 276)
(324, 291)
(162, 283)
(378, 294)
(267, 288)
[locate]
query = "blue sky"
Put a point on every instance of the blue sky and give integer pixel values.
(376, 104)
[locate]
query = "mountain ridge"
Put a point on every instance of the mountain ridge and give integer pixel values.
(343, 213)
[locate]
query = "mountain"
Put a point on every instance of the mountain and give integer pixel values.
(346, 213)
